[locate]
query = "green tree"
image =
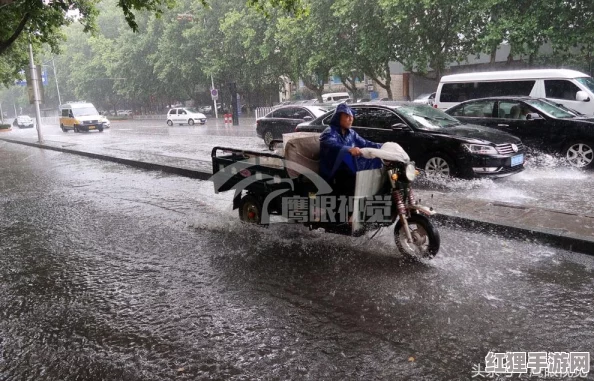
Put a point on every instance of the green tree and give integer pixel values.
(429, 34)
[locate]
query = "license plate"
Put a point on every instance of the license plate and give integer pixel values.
(93, 127)
(517, 160)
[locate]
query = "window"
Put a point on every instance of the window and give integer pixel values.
(381, 118)
(588, 82)
(459, 92)
(513, 110)
(480, 109)
(65, 113)
(181, 112)
(300, 113)
(173, 112)
(286, 112)
(560, 89)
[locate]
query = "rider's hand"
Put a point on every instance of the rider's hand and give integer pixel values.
(355, 151)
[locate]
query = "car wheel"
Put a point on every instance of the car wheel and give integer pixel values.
(580, 154)
(439, 165)
(268, 137)
(169, 123)
(191, 122)
(64, 129)
(100, 129)
(76, 129)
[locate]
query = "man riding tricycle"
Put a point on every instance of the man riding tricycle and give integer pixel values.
(336, 181)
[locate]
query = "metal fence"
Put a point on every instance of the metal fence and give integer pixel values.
(261, 111)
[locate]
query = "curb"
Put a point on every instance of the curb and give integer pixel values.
(562, 241)
(193, 174)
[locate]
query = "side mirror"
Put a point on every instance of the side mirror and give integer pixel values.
(399, 126)
(308, 118)
(582, 96)
(533, 116)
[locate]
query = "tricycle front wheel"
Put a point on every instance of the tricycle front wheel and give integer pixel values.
(425, 244)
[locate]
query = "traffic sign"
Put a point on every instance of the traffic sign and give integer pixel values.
(214, 93)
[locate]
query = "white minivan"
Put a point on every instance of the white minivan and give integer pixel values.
(333, 97)
(570, 88)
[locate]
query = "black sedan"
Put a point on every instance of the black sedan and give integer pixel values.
(434, 140)
(284, 119)
(540, 123)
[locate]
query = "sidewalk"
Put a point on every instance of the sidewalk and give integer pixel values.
(569, 230)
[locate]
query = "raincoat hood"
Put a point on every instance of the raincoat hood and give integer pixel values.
(341, 108)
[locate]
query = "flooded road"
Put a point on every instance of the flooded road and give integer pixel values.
(548, 182)
(111, 273)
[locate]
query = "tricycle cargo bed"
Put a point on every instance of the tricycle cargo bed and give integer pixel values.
(247, 170)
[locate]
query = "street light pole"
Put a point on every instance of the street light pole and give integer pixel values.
(215, 101)
(36, 93)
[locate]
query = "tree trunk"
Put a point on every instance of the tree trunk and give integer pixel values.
(493, 55)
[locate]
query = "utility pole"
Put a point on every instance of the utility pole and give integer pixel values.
(35, 92)
(214, 98)
(1, 114)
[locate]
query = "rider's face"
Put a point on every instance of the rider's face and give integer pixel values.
(346, 120)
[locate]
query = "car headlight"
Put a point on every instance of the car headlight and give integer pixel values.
(411, 172)
(480, 149)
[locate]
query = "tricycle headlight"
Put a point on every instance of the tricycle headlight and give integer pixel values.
(480, 149)
(411, 172)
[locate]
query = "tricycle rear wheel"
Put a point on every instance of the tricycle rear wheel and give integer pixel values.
(250, 209)
(425, 236)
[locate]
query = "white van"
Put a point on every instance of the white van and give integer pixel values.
(333, 97)
(81, 116)
(567, 87)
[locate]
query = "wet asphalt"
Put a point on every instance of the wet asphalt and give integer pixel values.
(547, 182)
(112, 273)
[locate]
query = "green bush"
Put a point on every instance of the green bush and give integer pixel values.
(5, 126)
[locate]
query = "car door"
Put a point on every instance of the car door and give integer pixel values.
(280, 122)
(534, 133)
(299, 115)
(173, 115)
(475, 112)
(182, 116)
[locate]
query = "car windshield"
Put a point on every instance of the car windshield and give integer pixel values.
(587, 81)
(427, 118)
(550, 109)
(84, 111)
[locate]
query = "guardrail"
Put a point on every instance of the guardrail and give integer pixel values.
(151, 117)
(50, 120)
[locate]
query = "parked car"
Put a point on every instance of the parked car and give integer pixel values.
(24, 121)
(284, 119)
(185, 115)
(435, 141)
(540, 123)
(428, 99)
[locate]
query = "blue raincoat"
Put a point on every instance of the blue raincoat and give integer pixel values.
(334, 148)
